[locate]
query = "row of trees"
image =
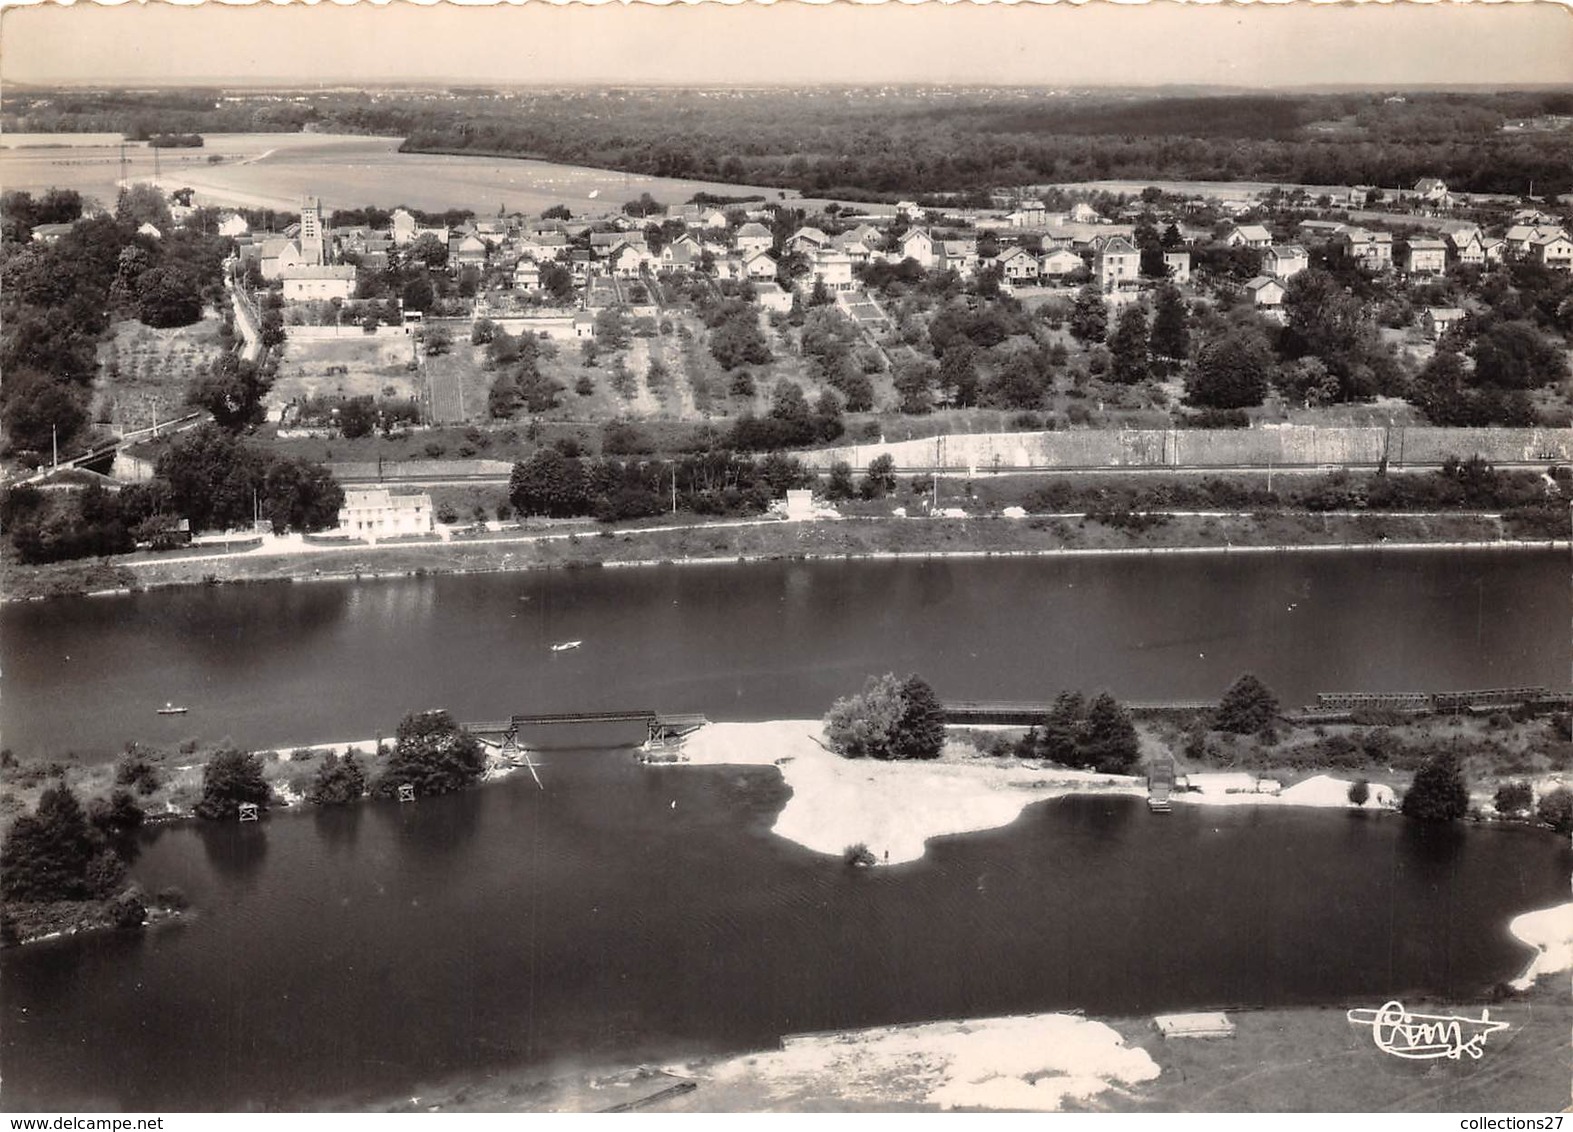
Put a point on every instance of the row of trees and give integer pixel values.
(718, 482)
(207, 476)
(431, 753)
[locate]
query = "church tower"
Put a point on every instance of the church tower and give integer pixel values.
(313, 247)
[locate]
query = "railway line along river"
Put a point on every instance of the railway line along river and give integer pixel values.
(628, 913)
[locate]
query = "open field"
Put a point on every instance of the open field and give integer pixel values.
(346, 171)
(145, 372)
(308, 367)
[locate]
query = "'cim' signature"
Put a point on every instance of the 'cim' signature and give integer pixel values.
(1424, 1036)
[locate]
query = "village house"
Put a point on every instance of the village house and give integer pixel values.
(233, 224)
(1439, 320)
(1552, 248)
(1432, 191)
(807, 241)
(909, 210)
(1248, 236)
(627, 260)
(309, 281)
(1116, 264)
(1372, 249)
(1359, 196)
(1058, 263)
(918, 245)
(1425, 255)
(1265, 291)
(1018, 267)
(376, 513)
(682, 252)
(526, 274)
(1178, 266)
(960, 256)
(833, 269)
(753, 238)
(468, 251)
(860, 243)
(1029, 214)
(760, 265)
(584, 325)
(49, 233)
(1083, 213)
(1285, 261)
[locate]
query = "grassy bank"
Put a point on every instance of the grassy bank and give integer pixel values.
(586, 543)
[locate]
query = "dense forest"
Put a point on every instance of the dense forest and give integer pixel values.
(890, 142)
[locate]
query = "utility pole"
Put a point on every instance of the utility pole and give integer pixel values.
(674, 487)
(54, 446)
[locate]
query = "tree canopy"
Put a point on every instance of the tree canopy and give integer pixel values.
(230, 778)
(890, 718)
(1438, 792)
(1247, 707)
(433, 754)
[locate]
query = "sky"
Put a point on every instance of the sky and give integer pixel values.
(1062, 44)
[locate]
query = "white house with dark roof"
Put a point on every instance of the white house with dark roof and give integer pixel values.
(526, 274)
(1248, 236)
(1018, 267)
(1285, 261)
(1372, 249)
(753, 238)
(760, 265)
(807, 241)
(1552, 248)
(1178, 265)
(1116, 264)
(1425, 255)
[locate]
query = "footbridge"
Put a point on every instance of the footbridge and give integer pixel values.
(660, 727)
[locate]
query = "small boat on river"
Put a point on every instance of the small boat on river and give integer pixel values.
(171, 709)
(564, 646)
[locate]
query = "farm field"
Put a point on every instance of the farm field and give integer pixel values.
(346, 171)
(144, 372)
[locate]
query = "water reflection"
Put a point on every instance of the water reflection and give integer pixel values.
(234, 850)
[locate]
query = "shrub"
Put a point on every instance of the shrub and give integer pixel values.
(1514, 798)
(1359, 792)
(1438, 792)
(230, 778)
(1556, 810)
(1247, 707)
(337, 782)
(859, 856)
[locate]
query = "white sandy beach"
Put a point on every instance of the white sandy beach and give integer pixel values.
(895, 807)
(1550, 932)
(1031, 1063)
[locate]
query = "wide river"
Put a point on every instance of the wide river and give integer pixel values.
(626, 912)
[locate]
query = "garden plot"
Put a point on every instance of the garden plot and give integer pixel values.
(144, 373)
(349, 366)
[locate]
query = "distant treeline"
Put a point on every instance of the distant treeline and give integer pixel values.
(859, 143)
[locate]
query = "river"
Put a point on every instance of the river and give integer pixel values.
(625, 912)
(291, 664)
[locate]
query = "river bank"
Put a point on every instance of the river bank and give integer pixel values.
(1305, 1058)
(582, 545)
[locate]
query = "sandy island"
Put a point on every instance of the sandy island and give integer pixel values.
(895, 807)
